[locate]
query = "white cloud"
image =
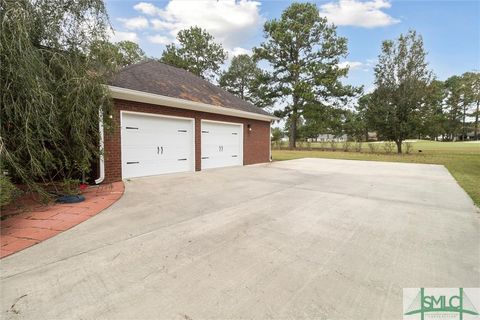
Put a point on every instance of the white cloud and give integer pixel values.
(231, 22)
(352, 65)
(238, 51)
(159, 39)
(366, 14)
(136, 23)
(161, 25)
(117, 36)
(147, 8)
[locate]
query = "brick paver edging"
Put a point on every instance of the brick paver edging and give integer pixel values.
(42, 222)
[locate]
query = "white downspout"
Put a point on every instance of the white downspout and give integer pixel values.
(101, 158)
(270, 142)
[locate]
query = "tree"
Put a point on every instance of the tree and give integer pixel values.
(471, 82)
(246, 80)
(51, 92)
(106, 56)
(321, 119)
(304, 52)
(112, 56)
(130, 52)
(277, 134)
(433, 119)
(197, 53)
(363, 108)
(355, 126)
(453, 106)
(401, 79)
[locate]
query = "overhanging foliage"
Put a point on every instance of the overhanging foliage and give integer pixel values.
(51, 93)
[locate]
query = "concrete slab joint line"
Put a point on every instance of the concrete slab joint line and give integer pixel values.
(300, 239)
(26, 229)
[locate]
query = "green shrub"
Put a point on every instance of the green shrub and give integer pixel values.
(358, 146)
(323, 145)
(373, 147)
(388, 146)
(70, 187)
(346, 146)
(408, 147)
(333, 145)
(8, 191)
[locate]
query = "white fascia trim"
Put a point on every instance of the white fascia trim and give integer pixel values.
(145, 97)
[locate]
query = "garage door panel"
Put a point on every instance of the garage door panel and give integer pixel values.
(162, 137)
(222, 145)
(154, 145)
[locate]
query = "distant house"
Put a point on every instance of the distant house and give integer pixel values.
(469, 136)
(332, 137)
(372, 136)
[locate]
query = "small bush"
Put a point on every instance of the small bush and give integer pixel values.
(346, 146)
(309, 145)
(323, 145)
(358, 146)
(373, 147)
(70, 187)
(408, 147)
(8, 191)
(333, 145)
(388, 146)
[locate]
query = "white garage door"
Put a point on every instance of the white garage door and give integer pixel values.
(154, 145)
(222, 144)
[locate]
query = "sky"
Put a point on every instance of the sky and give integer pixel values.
(450, 29)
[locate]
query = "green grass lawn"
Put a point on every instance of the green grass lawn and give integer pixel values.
(462, 159)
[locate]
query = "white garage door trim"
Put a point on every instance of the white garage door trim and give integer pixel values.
(241, 144)
(192, 143)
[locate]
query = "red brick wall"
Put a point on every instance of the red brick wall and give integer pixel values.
(256, 142)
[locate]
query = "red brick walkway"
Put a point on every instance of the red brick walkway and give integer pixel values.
(42, 222)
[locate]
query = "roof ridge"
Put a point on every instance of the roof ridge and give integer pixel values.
(144, 61)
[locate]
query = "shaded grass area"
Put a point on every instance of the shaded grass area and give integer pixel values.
(461, 159)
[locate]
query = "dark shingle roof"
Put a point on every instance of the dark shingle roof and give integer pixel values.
(155, 77)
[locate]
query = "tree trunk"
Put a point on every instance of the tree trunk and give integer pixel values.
(293, 130)
(476, 120)
(293, 123)
(399, 146)
(464, 134)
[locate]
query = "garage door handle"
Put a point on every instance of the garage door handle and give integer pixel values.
(132, 128)
(203, 131)
(234, 156)
(204, 157)
(182, 130)
(132, 162)
(184, 159)
(158, 150)
(161, 149)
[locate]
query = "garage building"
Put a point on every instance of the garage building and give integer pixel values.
(168, 120)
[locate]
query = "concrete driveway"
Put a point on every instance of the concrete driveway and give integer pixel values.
(308, 238)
